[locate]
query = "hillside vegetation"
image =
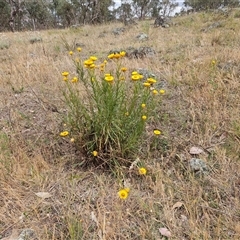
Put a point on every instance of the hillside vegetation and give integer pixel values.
(45, 183)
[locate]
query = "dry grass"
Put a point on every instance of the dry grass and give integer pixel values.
(201, 108)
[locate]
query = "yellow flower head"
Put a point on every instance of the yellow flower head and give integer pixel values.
(109, 78)
(79, 49)
(105, 61)
(213, 62)
(70, 53)
(93, 58)
(95, 153)
(111, 56)
(162, 91)
(135, 73)
(146, 84)
(88, 62)
(117, 55)
(123, 193)
(155, 92)
(65, 74)
(144, 117)
(64, 133)
(142, 171)
(74, 80)
(65, 79)
(143, 105)
(123, 69)
(92, 66)
(122, 53)
(151, 80)
(156, 131)
(135, 77)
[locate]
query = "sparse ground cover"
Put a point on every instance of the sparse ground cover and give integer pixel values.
(196, 63)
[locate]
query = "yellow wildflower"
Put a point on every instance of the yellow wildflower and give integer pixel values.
(162, 91)
(105, 61)
(117, 55)
(156, 131)
(74, 80)
(79, 49)
(88, 62)
(144, 117)
(111, 56)
(95, 153)
(65, 79)
(70, 53)
(122, 53)
(93, 58)
(109, 78)
(142, 171)
(135, 77)
(123, 69)
(135, 73)
(143, 105)
(65, 74)
(155, 92)
(151, 80)
(64, 133)
(123, 193)
(146, 84)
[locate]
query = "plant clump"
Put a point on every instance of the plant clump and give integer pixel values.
(108, 108)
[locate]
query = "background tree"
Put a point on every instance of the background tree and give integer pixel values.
(163, 8)
(16, 14)
(38, 13)
(124, 12)
(200, 5)
(4, 16)
(141, 8)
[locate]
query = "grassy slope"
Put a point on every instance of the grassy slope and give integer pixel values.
(201, 108)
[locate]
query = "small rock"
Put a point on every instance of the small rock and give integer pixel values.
(195, 150)
(198, 166)
(142, 37)
(26, 234)
(140, 52)
(118, 31)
